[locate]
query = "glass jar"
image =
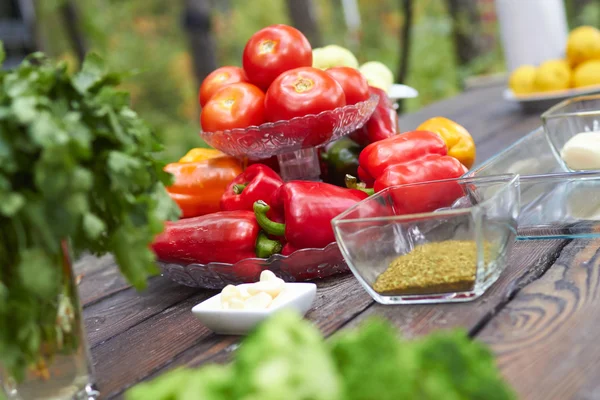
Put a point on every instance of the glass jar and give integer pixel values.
(65, 368)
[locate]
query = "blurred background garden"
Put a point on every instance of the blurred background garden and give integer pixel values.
(435, 46)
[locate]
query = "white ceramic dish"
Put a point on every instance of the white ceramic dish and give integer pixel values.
(296, 296)
(546, 100)
(398, 91)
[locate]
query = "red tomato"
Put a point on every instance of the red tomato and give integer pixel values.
(302, 91)
(217, 79)
(274, 50)
(352, 81)
(238, 105)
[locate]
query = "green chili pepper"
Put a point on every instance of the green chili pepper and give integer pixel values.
(341, 158)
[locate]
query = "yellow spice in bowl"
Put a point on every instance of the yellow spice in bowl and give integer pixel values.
(437, 267)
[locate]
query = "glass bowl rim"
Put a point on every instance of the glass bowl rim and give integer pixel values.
(507, 180)
(374, 98)
(554, 111)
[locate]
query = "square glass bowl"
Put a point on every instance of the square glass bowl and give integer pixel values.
(568, 118)
(440, 241)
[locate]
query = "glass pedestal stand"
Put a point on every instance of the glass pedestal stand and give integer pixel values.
(300, 165)
(295, 142)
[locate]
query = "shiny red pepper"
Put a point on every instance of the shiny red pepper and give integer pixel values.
(429, 196)
(226, 236)
(364, 176)
(307, 209)
(272, 163)
(382, 124)
(431, 167)
(257, 182)
(376, 157)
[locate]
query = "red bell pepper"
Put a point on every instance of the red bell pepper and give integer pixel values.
(428, 196)
(376, 157)
(382, 124)
(271, 162)
(257, 182)
(226, 236)
(364, 176)
(307, 209)
(431, 167)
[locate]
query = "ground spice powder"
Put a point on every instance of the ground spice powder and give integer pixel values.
(437, 267)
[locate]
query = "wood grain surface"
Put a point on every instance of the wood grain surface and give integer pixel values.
(546, 338)
(539, 317)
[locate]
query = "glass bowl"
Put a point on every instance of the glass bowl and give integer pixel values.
(274, 138)
(555, 203)
(454, 237)
(301, 265)
(568, 118)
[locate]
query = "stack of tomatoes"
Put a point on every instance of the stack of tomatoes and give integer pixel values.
(277, 82)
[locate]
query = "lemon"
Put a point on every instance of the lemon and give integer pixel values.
(587, 74)
(521, 79)
(552, 75)
(583, 44)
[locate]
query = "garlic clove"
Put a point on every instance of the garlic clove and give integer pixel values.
(229, 292)
(244, 295)
(283, 296)
(258, 301)
(236, 304)
(272, 288)
(267, 275)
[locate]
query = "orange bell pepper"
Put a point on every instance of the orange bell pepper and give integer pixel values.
(201, 154)
(199, 185)
(458, 140)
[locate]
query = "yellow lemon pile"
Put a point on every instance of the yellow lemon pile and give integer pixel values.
(581, 67)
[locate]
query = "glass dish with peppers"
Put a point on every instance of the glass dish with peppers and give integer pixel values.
(266, 223)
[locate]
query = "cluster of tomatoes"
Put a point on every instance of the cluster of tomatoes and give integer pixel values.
(277, 82)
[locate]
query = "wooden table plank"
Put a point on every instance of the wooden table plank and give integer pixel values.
(546, 338)
(494, 123)
(131, 356)
(99, 278)
(117, 314)
(198, 345)
(340, 301)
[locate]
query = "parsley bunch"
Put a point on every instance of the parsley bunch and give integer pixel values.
(76, 166)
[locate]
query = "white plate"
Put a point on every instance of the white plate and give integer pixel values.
(543, 101)
(558, 95)
(398, 91)
(296, 296)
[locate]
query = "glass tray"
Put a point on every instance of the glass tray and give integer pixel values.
(555, 203)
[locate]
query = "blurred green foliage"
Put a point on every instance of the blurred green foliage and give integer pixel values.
(147, 35)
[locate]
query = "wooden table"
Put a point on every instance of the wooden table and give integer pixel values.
(539, 318)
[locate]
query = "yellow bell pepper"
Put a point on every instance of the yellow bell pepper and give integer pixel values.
(458, 140)
(201, 154)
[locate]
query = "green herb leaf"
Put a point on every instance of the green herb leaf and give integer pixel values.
(11, 203)
(38, 272)
(24, 109)
(93, 226)
(92, 72)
